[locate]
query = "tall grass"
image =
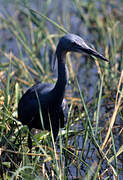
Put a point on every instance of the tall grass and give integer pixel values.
(90, 145)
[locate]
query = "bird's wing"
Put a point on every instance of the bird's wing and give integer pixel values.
(28, 107)
(27, 110)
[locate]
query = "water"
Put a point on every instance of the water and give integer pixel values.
(87, 77)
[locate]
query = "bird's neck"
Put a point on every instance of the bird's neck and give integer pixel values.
(62, 75)
(62, 78)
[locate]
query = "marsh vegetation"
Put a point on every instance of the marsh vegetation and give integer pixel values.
(91, 144)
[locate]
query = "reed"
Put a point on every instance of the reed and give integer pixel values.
(90, 145)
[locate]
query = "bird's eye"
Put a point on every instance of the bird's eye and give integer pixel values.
(74, 43)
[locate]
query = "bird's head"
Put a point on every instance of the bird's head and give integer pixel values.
(74, 43)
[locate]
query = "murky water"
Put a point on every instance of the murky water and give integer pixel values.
(87, 77)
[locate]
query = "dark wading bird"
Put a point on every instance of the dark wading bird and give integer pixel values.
(48, 97)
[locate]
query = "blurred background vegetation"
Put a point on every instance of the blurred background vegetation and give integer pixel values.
(91, 144)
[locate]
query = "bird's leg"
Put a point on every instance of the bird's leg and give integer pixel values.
(29, 140)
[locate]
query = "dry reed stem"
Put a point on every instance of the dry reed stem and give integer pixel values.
(117, 105)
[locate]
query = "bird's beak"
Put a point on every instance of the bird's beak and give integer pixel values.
(96, 54)
(85, 48)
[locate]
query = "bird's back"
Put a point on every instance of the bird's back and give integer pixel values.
(38, 101)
